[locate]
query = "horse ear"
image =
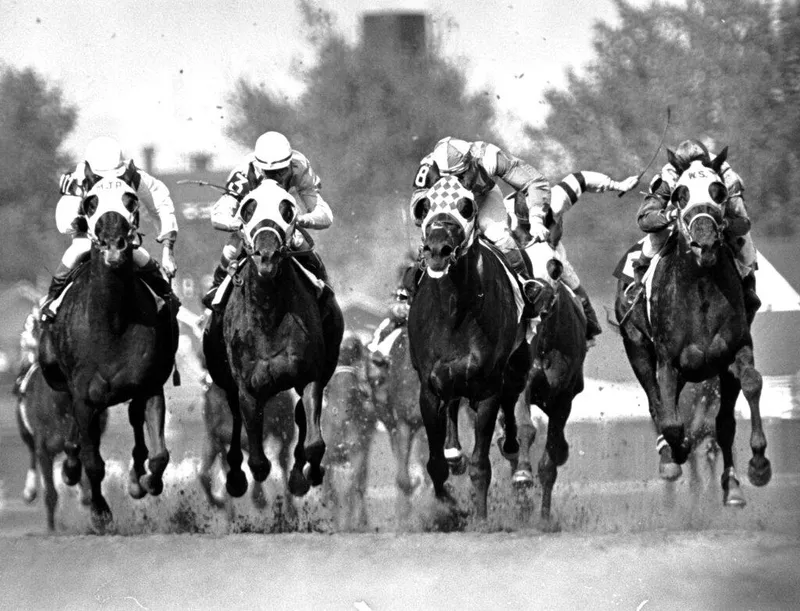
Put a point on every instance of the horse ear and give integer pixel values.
(89, 205)
(680, 196)
(718, 192)
(716, 163)
(247, 210)
(420, 210)
(673, 159)
(286, 209)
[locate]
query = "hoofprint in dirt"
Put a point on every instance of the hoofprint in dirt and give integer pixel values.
(464, 571)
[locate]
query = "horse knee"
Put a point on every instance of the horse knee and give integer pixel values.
(751, 382)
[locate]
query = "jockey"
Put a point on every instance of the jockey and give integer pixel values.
(273, 158)
(398, 310)
(477, 165)
(656, 216)
(562, 197)
(103, 159)
(28, 346)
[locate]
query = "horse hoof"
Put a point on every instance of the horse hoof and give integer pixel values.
(152, 485)
(298, 484)
(549, 525)
(71, 474)
(29, 496)
(759, 471)
(101, 520)
(236, 483)
(458, 465)
(522, 479)
(669, 471)
(261, 472)
(734, 498)
(313, 475)
(135, 490)
(509, 451)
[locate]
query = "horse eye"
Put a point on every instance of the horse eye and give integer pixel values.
(421, 208)
(718, 192)
(287, 211)
(131, 202)
(680, 196)
(467, 208)
(247, 210)
(89, 205)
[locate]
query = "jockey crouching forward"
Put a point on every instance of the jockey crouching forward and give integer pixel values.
(656, 217)
(273, 158)
(563, 196)
(103, 159)
(477, 165)
(28, 347)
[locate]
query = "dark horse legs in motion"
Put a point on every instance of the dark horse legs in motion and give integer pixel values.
(107, 345)
(694, 328)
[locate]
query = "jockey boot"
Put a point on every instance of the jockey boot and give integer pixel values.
(751, 300)
(150, 272)
(531, 289)
(219, 275)
(640, 267)
(57, 286)
(593, 328)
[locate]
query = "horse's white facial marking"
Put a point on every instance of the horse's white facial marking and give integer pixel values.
(109, 192)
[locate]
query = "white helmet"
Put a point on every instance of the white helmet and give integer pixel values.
(451, 155)
(104, 156)
(272, 152)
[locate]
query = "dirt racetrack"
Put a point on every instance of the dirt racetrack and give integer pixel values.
(626, 539)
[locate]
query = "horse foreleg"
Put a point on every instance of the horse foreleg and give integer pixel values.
(50, 493)
(154, 415)
(136, 419)
(452, 445)
(298, 484)
(253, 414)
(235, 480)
(556, 453)
(71, 467)
(314, 445)
(436, 430)
(402, 438)
(208, 456)
(522, 469)
(669, 424)
(31, 480)
(480, 467)
(759, 469)
(88, 423)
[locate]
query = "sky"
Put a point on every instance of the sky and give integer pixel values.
(159, 72)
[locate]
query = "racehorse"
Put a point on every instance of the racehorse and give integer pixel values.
(694, 326)
(110, 343)
(348, 423)
(395, 394)
(558, 351)
(279, 330)
(278, 422)
(44, 418)
(466, 336)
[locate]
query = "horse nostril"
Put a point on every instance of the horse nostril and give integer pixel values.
(447, 251)
(121, 243)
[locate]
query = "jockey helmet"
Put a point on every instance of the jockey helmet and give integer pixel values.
(272, 152)
(104, 156)
(689, 151)
(451, 156)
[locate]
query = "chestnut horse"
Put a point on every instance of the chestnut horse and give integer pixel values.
(279, 330)
(111, 343)
(693, 327)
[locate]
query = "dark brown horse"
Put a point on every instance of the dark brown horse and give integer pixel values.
(693, 327)
(558, 351)
(278, 331)
(395, 394)
(110, 343)
(467, 336)
(278, 422)
(348, 423)
(44, 418)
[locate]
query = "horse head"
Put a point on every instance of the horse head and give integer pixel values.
(700, 197)
(269, 217)
(111, 209)
(447, 214)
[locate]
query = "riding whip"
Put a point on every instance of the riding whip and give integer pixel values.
(660, 144)
(203, 183)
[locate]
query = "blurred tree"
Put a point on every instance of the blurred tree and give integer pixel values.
(34, 122)
(727, 68)
(365, 118)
